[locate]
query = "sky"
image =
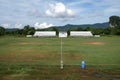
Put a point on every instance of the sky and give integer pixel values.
(45, 13)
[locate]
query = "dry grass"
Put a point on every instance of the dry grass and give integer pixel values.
(28, 56)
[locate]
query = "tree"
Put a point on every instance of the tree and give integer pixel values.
(97, 31)
(2, 31)
(68, 32)
(107, 31)
(55, 29)
(87, 29)
(27, 30)
(79, 29)
(31, 31)
(115, 31)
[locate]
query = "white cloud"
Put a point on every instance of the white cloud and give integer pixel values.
(43, 25)
(29, 12)
(6, 25)
(59, 10)
(18, 26)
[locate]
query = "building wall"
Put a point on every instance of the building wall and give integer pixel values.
(81, 33)
(63, 34)
(44, 33)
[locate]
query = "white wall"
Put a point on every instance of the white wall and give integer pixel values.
(44, 33)
(81, 33)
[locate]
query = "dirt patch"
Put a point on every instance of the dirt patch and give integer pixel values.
(29, 56)
(94, 43)
(24, 43)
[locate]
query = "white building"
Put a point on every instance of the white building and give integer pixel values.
(81, 34)
(28, 35)
(96, 35)
(44, 34)
(63, 34)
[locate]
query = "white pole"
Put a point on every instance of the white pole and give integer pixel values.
(61, 56)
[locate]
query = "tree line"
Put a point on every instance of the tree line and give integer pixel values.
(112, 29)
(27, 30)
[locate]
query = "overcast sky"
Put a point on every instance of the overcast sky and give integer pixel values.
(45, 13)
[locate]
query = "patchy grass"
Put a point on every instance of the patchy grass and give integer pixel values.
(38, 72)
(39, 58)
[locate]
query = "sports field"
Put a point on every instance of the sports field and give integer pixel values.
(39, 58)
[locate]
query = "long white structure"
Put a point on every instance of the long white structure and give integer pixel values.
(44, 34)
(81, 33)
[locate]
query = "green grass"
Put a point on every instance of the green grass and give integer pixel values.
(34, 58)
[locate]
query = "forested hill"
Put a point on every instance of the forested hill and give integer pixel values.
(97, 25)
(71, 26)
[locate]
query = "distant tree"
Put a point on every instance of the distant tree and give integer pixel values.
(31, 31)
(97, 31)
(20, 31)
(27, 30)
(115, 31)
(55, 29)
(107, 31)
(68, 32)
(79, 29)
(2, 31)
(87, 29)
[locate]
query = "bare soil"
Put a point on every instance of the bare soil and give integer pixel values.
(94, 43)
(24, 43)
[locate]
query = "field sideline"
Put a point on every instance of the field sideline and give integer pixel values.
(27, 55)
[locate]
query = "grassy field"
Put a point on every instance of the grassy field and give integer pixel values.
(39, 58)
